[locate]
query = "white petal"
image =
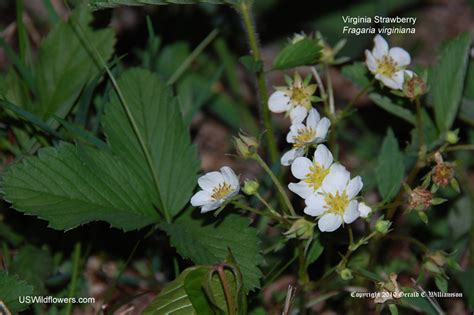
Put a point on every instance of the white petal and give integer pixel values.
(351, 213)
(301, 189)
(294, 132)
(290, 156)
(370, 61)
(380, 48)
(400, 56)
(211, 206)
(364, 210)
(313, 118)
(230, 177)
(210, 180)
(323, 156)
(409, 73)
(389, 81)
(298, 114)
(354, 187)
(315, 205)
(201, 198)
(300, 167)
(329, 222)
(322, 128)
(336, 180)
(279, 102)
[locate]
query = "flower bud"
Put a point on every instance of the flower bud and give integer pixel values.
(438, 258)
(246, 146)
(420, 199)
(382, 226)
(442, 174)
(302, 229)
(346, 274)
(414, 87)
(250, 187)
(364, 210)
(452, 137)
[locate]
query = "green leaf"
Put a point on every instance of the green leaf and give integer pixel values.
(304, 52)
(65, 65)
(173, 298)
(390, 167)
(447, 80)
(33, 265)
(393, 309)
(313, 252)
(69, 186)
(100, 4)
(157, 115)
(208, 243)
(193, 91)
(357, 73)
(441, 283)
(465, 280)
(11, 288)
(193, 285)
(390, 106)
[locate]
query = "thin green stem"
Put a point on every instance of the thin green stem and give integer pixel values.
(245, 11)
(275, 180)
(460, 147)
(421, 133)
(323, 93)
(270, 215)
(332, 105)
(227, 292)
(75, 275)
(356, 98)
(269, 207)
(196, 52)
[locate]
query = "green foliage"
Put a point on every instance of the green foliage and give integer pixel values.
(155, 111)
(390, 106)
(465, 280)
(304, 52)
(209, 243)
(197, 290)
(83, 184)
(33, 265)
(251, 64)
(99, 4)
(11, 288)
(447, 80)
(357, 73)
(65, 65)
(390, 168)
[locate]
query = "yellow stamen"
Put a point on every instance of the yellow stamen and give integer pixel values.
(305, 136)
(387, 66)
(221, 191)
(316, 176)
(336, 203)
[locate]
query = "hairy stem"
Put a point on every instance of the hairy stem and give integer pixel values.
(275, 180)
(227, 292)
(245, 11)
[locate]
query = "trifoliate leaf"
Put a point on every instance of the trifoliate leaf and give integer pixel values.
(11, 289)
(304, 52)
(208, 243)
(156, 113)
(70, 186)
(447, 80)
(390, 167)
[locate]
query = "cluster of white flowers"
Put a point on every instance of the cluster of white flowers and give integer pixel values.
(388, 65)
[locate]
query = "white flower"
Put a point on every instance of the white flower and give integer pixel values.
(302, 136)
(388, 65)
(217, 187)
(311, 173)
(294, 99)
(364, 210)
(335, 203)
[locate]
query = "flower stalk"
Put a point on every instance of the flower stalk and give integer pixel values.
(247, 19)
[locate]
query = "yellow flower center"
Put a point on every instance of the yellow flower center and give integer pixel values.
(298, 95)
(316, 176)
(337, 203)
(221, 191)
(304, 136)
(387, 66)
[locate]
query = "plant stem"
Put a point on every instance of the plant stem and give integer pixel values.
(228, 293)
(276, 217)
(324, 96)
(196, 52)
(269, 207)
(412, 240)
(460, 147)
(280, 188)
(332, 106)
(75, 274)
(245, 11)
(421, 133)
